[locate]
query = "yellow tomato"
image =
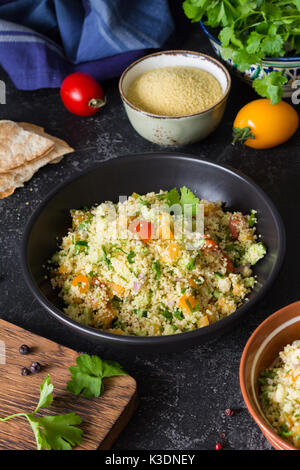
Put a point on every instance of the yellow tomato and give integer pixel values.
(270, 124)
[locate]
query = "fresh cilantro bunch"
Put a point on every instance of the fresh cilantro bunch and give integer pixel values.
(52, 432)
(88, 374)
(249, 31)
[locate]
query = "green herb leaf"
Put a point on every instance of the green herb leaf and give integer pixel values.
(188, 198)
(156, 267)
(172, 197)
(81, 246)
(130, 257)
(143, 202)
(46, 396)
(105, 257)
(270, 86)
(56, 432)
(251, 30)
(178, 314)
(168, 315)
(88, 374)
(52, 432)
(252, 218)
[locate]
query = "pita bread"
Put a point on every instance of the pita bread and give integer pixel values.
(11, 180)
(19, 146)
(60, 146)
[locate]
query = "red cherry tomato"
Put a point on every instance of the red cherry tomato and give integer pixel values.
(143, 229)
(81, 94)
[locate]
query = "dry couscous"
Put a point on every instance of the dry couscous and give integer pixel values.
(175, 91)
(280, 393)
(135, 268)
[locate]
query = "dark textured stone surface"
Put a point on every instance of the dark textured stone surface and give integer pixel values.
(182, 395)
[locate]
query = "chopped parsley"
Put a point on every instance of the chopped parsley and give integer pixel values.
(252, 218)
(130, 257)
(157, 269)
(178, 314)
(81, 246)
(105, 257)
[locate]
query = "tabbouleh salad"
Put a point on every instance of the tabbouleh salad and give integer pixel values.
(137, 278)
(280, 393)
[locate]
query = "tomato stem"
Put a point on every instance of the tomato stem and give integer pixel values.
(241, 134)
(97, 102)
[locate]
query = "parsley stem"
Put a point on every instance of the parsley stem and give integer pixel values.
(12, 416)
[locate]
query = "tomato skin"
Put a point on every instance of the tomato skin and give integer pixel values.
(77, 90)
(271, 124)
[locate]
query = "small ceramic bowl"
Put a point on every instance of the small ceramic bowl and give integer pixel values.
(289, 66)
(175, 130)
(262, 348)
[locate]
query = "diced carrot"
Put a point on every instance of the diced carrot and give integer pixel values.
(204, 321)
(117, 289)
(289, 421)
(187, 303)
(77, 218)
(192, 283)
(104, 319)
(83, 282)
(63, 269)
(172, 253)
(118, 331)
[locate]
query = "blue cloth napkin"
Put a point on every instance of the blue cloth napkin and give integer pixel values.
(42, 41)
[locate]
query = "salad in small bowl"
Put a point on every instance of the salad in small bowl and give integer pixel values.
(260, 39)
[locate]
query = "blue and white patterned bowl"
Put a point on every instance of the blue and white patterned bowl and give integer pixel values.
(290, 66)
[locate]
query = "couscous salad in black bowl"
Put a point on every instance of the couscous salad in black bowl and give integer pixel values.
(153, 251)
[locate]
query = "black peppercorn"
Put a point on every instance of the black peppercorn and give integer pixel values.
(24, 349)
(35, 367)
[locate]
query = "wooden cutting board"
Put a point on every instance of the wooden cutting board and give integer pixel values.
(103, 418)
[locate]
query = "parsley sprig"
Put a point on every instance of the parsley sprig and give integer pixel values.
(185, 198)
(58, 432)
(88, 374)
(251, 30)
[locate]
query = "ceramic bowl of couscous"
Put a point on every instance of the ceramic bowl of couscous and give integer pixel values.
(270, 377)
(109, 255)
(175, 98)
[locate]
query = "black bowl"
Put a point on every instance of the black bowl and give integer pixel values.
(142, 174)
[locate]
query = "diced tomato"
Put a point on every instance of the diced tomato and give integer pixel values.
(143, 228)
(96, 282)
(236, 223)
(210, 245)
(229, 265)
